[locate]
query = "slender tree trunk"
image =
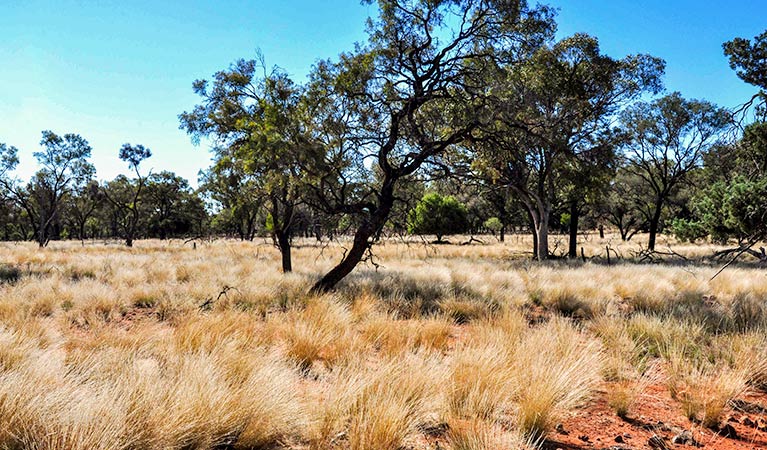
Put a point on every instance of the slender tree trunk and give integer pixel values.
(502, 233)
(534, 231)
(601, 231)
(283, 242)
(654, 221)
(572, 250)
(542, 230)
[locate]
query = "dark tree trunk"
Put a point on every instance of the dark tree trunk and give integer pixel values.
(601, 231)
(534, 231)
(542, 230)
(283, 242)
(371, 226)
(572, 250)
(654, 221)
(502, 233)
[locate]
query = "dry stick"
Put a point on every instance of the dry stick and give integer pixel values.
(729, 262)
(745, 248)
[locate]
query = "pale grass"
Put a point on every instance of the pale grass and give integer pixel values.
(378, 405)
(704, 388)
(392, 336)
(559, 373)
(107, 347)
(479, 435)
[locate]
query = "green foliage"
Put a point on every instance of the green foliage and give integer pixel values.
(687, 230)
(9, 274)
(438, 215)
(734, 209)
(749, 59)
(493, 224)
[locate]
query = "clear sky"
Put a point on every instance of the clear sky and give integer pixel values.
(119, 71)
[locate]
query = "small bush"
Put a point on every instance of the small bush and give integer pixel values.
(9, 274)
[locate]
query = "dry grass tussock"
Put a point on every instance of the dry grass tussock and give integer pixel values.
(104, 347)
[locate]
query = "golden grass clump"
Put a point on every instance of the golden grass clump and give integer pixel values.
(381, 405)
(704, 388)
(478, 435)
(561, 371)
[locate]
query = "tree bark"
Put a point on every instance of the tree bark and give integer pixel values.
(542, 230)
(654, 221)
(534, 230)
(283, 242)
(572, 251)
(371, 226)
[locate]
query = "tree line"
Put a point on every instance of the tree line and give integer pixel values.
(469, 109)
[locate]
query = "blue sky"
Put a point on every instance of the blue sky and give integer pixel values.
(121, 71)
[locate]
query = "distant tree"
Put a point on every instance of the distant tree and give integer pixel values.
(64, 170)
(235, 195)
(9, 207)
(625, 205)
(439, 216)
(172, 207)
(82, 205)
(668, 139)
(125, 195)
(494, 225)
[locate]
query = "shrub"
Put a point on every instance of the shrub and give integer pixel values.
(438, 215)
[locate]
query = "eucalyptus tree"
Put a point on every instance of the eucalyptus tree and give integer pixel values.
(125, 195)
(258, 123)
(626, 205)
(668, 138)
(82, 206)
(171, 207)
(234, 196)
(64, 168)
(554, 122)
(414, 90)
(9, 160)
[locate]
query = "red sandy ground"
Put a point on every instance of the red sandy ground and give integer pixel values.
(597, 426)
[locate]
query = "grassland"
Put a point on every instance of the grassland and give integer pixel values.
(166, 346)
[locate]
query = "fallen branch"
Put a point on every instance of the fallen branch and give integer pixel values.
(208, 304)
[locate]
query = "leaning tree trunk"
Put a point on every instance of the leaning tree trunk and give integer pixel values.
(572, 250)
(371, 226)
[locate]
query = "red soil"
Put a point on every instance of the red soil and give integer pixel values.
(596, 426)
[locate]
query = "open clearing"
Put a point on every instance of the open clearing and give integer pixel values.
(450, 347)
